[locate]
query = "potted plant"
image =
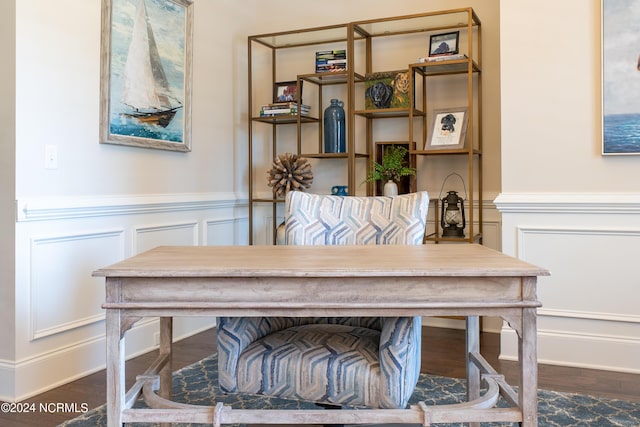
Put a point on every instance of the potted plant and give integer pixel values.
(393, 167)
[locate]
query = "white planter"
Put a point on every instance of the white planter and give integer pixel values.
(390, 189)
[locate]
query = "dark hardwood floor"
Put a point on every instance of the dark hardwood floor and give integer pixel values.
(443, 355)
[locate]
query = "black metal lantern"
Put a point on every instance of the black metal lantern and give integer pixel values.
(452, 217)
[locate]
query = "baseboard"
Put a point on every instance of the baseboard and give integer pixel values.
(24, 379)
(607, 353)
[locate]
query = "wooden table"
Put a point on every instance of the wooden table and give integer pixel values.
(428, 280)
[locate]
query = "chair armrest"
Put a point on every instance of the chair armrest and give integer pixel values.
(400, 355)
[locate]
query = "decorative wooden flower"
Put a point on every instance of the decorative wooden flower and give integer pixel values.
(289, 173)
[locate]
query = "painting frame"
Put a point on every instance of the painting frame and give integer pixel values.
(387, 89)
(282, 90)
(126, 116)
(451, 40)
(445, 133)
(620, 69)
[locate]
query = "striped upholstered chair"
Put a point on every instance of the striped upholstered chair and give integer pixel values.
(373, 361)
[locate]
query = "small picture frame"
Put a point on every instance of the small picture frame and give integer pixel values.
(287, 92)
(448, 129)
(444, 44)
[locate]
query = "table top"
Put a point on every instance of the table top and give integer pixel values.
(321, 261)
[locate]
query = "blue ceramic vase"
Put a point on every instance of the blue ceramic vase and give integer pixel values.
(334, 128)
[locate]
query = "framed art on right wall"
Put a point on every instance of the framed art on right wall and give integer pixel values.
(620, 77)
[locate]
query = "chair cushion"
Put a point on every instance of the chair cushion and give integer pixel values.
(312, 219)
(314, 362)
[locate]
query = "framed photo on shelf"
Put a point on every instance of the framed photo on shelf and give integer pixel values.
(444, 44)
(145, 77)
(287, 92)
(448, 129)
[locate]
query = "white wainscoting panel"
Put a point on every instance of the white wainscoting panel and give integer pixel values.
(64, 296)
(60, 332)
(590, 316)
(176, 234)
(227, 231)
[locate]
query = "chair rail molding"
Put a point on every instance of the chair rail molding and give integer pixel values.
(601, 203)
(48, 208)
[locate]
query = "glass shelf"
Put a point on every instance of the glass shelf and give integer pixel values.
(456, 66)
(332, 155)
(303, 37)
(434, 21)
(388, 113)
(285, 119)
(339, 77)
(443, 152)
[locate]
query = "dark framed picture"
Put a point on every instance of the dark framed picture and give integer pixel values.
(444, 44)
(620, 83)
(287, 92)
(448, 129)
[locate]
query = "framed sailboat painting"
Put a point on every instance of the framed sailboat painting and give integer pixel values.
(146, 73)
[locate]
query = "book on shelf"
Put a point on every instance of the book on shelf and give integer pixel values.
(331, 54)
(440, 58)
(284, 108)
(331, 68)
(282, 111)
(282, 114)
(280, 105)
(331, 61)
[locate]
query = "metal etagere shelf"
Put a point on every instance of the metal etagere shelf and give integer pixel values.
(273, 52)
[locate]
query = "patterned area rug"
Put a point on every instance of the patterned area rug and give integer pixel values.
(197, 384)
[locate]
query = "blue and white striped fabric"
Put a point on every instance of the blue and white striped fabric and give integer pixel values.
(373, 361)
(312, 219)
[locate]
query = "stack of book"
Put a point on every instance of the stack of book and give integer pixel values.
(330, 61)
(445, 57)
(283, 109)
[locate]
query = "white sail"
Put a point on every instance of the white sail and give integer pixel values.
(145, 86)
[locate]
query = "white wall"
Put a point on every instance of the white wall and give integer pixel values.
(564, 206)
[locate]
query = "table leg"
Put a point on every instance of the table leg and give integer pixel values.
(527, 353)
(115, 369)
(166, 348)
(473, 372)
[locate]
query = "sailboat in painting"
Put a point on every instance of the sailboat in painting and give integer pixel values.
(146, 91)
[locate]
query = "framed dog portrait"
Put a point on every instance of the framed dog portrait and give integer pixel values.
(389, 89)
(448, 129)
(444, 44)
